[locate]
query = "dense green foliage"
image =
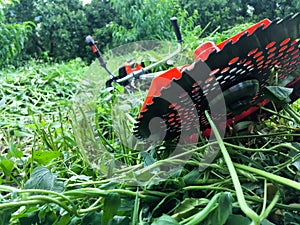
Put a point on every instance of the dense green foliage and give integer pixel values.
(230, 13)
(100, 14)
(155, 21)
(67, 150)
(46, 176)
(61, 28)
(12, 37)
(62, 25)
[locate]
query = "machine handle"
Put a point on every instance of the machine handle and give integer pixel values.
(176, 29)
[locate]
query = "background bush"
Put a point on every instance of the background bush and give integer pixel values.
(61, 26)
(12, 36)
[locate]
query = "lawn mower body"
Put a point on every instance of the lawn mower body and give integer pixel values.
(241, 67)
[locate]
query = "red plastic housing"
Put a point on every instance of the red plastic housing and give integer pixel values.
(202, 51)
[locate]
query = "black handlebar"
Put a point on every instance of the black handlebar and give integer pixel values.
(123, 80)
(176, 29)
(95, 49)
(97, 52)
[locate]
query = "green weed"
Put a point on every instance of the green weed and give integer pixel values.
(68, 156)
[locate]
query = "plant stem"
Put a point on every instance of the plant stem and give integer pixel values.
(278, 205)
(207, 187)
(93, 207)
(236, 182)
(291, 112)
(278, 134)
(135, 214)
(275, 113)
(270, 176)
(200, 216)
(266, 212)
(89, 183)
(265, 197)
(18, 204)
(44, 199)
(97, 192)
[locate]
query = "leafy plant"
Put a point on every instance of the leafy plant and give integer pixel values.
(280, 96)
(12, 37)
(42, 178)
(61, 28)
(46, 176)
(154, 15)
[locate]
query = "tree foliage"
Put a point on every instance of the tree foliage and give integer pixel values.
(226, 14)
(273, 9)
(63, 25)
(60, 28)
(99, 15)
(12, 36)
(144, 19)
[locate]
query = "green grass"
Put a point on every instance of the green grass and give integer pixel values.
(68, 156)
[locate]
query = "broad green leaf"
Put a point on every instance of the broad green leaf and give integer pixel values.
(111, 205)
(296, 144)
(108, 186)
(25, 212)
(164, 220)
(64, 220)
(93, 218)
(47, 215)
(278, 94)
(222, 212)
(44, 157)
(119, 88)
(58, 186)
(224, 209)
(76, 220)
(127, 205)
(32, 218)
(14, 152)
(5, 216)
(291, 219)
(189, 207)
(18, 133)
(191, 176)
(80, 177)
(7, 166)
(293, 153)
(42, 178)
(148, 158)
(267, 222)
(237, 220)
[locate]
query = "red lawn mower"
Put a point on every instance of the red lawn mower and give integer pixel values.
(239, 68)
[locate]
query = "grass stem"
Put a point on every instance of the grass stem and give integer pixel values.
(236, 182)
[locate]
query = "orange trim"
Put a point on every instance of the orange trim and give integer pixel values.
(94, 49)
(158, 83)
(202, 51)
(129, 69)
(264, 23)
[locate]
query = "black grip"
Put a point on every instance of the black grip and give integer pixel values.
(89, 40)
(95, 49)
(176, 29)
